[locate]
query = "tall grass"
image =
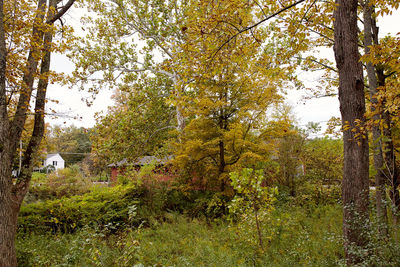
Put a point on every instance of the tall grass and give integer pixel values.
(294, 237)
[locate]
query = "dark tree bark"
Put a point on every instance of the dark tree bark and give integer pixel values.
(22, 183)
(12, 192)
(391, 168)
(18, 122)
(7, 218)
(371, 38)
(223, 125)
(7, 204)
(355, 185)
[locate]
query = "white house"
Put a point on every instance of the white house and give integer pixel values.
(55, 160)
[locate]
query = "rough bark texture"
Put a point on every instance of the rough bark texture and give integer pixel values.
(4, 123)
(25, 95)
(352, 107)
(22, 183)
(391, 167)
(7, 216)
(370, 38)
(8, 227)
(8, 211)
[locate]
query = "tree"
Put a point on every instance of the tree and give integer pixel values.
(370, 38)
(286, 140)
(351, 93)
(71, 142)
(252, 197)
(380, 57)
(26, 34)
(229, 96)
(355, 187)
(289, 151)
(139, 124)
(112, 36)
(323, 160)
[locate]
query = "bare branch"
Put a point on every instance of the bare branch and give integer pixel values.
(138, 29)
(319, 63)
(304, 16)
(262, 10)
(59, 14)
(147, 68)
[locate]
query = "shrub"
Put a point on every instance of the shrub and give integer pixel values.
(103, 207)
(317, 194)
(252, 199)
(196, 203)
(60, 183)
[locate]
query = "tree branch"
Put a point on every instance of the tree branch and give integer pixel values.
(319, 63)
(139, 30)
(59, 14)
(24, 178)
(255, 25)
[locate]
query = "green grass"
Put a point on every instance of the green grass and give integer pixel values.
(293, 236)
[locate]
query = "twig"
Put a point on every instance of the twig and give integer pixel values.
(255, 25)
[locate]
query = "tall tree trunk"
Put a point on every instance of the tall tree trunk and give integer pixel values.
(4, 122)
(221, 146)
(12, 193)
(7, 216)
(28, 79)
(370, 34)
(24, 178)
(355, 185)
(293, 184)
(3, 98)
(8, 223)
(179, 90)
(390, 167)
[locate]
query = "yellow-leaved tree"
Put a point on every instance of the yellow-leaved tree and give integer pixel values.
(229, 94)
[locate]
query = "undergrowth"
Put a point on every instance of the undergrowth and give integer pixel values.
(294, 237)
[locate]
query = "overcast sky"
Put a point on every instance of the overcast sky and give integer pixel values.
(76, 111)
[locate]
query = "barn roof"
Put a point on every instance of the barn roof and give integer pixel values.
(142, 161)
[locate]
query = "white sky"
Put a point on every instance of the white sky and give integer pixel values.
(71, 104)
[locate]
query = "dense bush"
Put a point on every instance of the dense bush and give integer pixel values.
(112, 208)
(103, 207)
(163, 193)
(64, 182)
(317, 194)
(310, 194)
(323, 160)
(194, 203)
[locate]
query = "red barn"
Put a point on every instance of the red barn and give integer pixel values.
(120, 167)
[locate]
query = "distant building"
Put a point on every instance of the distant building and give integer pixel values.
(54, 160)
(119, 168)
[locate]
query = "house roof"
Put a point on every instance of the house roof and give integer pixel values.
(142, 161)
(117, 164)
(52, 155)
